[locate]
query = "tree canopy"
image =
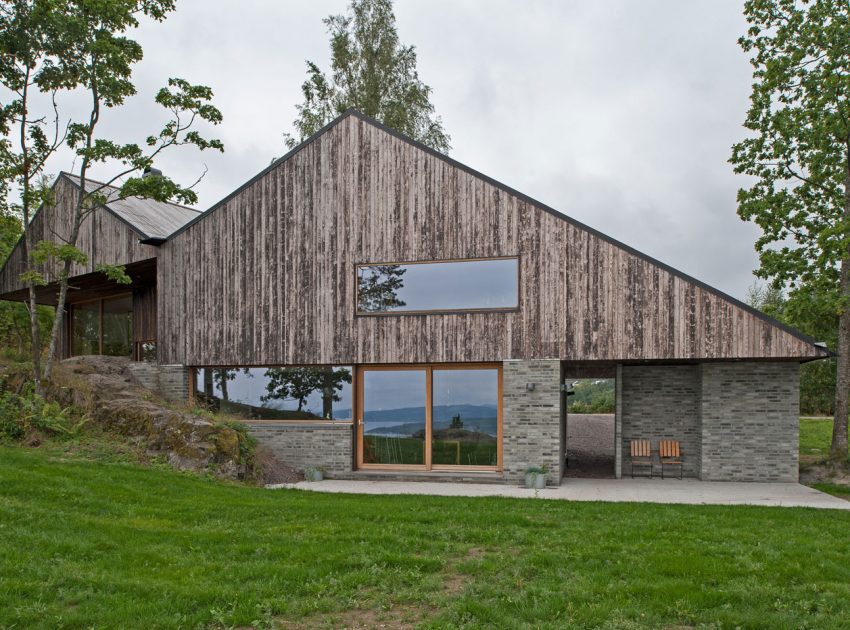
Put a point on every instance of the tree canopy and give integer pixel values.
(798, 157)
(372, 71)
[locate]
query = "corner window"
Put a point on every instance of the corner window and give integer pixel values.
(276, 392)
(420, 287)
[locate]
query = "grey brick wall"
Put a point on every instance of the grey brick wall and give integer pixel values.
(169, 381)
(750, 421)
(531, 420)
(661, 403)
(303, 445)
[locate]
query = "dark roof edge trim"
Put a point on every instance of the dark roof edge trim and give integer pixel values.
(511, 191)
(156, 241)
(270, 168)
(104, 207)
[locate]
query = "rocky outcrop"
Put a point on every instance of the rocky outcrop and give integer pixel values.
(105, 388)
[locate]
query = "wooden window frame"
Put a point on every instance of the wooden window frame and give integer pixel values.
(72, 307)
(193, 383)
(449, 311)
(429, 369)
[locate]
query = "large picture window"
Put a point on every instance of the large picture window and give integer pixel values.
(103, 327)
(460, 285)
(276, 393)
(429, 417)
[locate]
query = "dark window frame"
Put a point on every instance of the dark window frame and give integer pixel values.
(70, 325)
(438, 311)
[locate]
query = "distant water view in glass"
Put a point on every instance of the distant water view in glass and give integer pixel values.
(464, 405)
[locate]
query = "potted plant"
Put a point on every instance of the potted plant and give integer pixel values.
(535, 477)
(314, 473)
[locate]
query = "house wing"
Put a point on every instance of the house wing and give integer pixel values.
(110, 235)
(359, 192)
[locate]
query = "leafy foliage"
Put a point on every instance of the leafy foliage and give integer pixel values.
(299, 383)
(372, 71)
(592, 396)
(51, 46)
(799, 161)
(22, 414)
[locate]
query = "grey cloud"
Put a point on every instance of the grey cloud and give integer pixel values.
(619, 113)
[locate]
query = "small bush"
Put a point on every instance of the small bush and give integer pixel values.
(247, 442)
(25, 413)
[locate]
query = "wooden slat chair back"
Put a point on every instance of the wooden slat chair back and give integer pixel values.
(670, 455)
(641, 455)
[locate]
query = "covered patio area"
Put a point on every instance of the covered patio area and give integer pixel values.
(685, 491)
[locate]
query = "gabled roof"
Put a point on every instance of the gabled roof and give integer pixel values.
(511, 191)
(149, 218)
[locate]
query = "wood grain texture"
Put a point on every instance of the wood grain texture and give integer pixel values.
(268, 276)
(103, 238)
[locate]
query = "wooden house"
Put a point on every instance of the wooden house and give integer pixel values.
(369, 305)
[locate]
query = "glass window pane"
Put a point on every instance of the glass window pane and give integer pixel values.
(118, 326)
(465, 417)
(440, 286)
(85, 328)
(394, 417)
(277, 393)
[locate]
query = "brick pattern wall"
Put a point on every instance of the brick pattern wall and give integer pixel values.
(169, 381)
(301, 445)
(750, 421)
(658, 403)
(531, 419)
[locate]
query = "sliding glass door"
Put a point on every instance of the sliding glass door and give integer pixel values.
(432, 417)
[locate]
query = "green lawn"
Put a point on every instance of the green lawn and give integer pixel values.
(113, 545)
(815, 436)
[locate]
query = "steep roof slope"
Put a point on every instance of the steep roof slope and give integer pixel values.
(359, 192)
(150, 218)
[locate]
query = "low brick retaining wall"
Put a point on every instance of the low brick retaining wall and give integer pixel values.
(329, 445)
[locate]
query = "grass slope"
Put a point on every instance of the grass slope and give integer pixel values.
(113, 545)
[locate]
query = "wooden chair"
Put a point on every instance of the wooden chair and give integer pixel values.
(641, 455)
(669, 454)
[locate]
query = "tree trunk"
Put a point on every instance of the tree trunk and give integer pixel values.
(838, 449)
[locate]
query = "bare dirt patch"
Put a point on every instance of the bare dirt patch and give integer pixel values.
(397, 616)
(275, 471)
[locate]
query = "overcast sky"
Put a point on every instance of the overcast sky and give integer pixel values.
(620, 114)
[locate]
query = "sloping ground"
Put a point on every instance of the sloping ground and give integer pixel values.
(89, 544)
(104, 390)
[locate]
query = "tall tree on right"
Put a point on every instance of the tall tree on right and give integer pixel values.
(372, 71)
(799, 160)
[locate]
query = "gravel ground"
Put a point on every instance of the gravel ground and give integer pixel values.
(590, 445)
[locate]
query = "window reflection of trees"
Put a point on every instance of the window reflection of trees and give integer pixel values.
(378, 287)
(280, 384)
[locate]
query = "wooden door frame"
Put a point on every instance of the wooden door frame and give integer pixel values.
(429, 369)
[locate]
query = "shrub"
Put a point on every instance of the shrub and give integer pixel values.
(25, 413)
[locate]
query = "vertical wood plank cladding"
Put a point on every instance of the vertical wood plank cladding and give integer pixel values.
(268, 277)
(144, 314)
(103, 238)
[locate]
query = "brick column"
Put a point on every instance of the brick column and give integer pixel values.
(531, 426)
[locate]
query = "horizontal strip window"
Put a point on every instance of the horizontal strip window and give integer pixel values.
(443, 286)
(316, 393)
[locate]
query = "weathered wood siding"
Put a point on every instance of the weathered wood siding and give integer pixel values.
(268, 277)
(144, 314)
(103, 237)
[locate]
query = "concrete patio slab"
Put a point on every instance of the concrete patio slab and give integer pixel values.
(685, 491)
